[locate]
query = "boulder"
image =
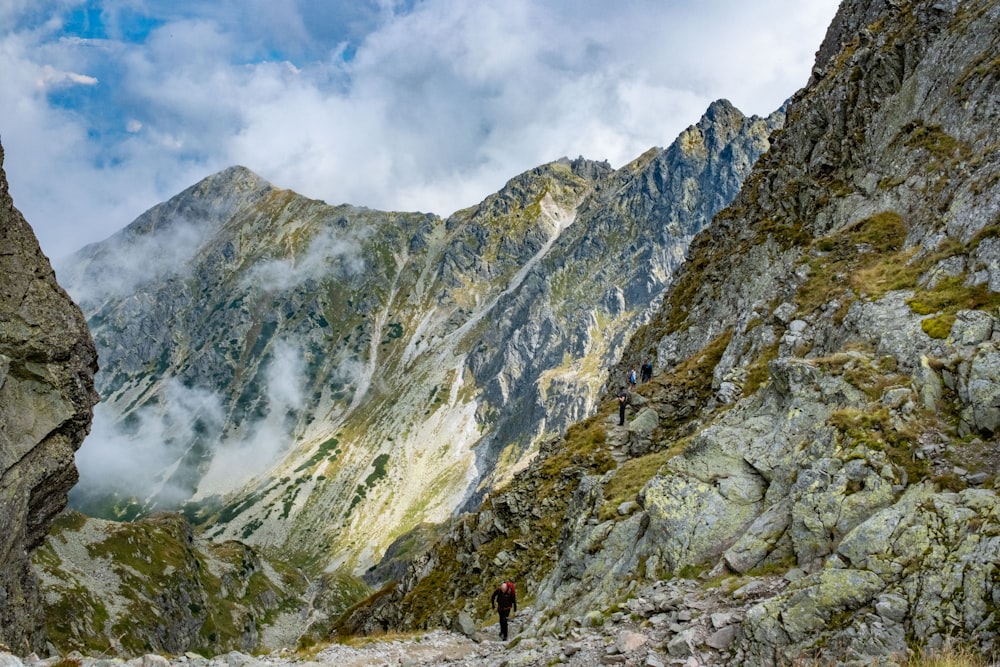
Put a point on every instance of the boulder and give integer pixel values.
(463, 624)
(983, 387)
(629, 641)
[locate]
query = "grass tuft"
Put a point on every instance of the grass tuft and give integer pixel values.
(949, 656)
(628, 479)
(938, 327)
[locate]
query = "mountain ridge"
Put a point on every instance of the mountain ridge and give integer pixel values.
(352, 317)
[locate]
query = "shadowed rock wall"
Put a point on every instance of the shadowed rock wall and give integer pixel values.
(47, 366)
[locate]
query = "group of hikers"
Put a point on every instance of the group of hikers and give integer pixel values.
(504, 598)
(631, 380)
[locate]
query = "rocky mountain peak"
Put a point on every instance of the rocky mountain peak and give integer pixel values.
(722, 111)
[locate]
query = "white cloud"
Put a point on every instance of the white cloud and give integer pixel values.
(252, 452)
(429, 108)
(52, 77)
(130, 458)
(329, 254)
(134, 261)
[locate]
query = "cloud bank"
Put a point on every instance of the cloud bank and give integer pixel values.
(149, 455)
(111, 106)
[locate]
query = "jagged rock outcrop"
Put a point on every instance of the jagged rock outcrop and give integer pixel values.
(851, 278)
(47, 366)
(294, 368)
(825, 400)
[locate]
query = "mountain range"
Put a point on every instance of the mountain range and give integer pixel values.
(323, 379)
(329, 394)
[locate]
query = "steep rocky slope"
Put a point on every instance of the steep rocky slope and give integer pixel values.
(290, 370)
(47, 366)
(153, 586)
(820, 438)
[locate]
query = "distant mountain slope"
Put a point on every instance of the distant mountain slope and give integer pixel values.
(151, 585)
(324, 378)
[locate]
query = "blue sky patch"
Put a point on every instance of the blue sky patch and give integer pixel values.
(86, 22)
(93, 21)
(135, 27)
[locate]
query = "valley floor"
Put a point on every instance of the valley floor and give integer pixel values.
(667, 623)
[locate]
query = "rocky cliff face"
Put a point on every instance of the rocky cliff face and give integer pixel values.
(47, 366)
(818, 448)
(291, 370)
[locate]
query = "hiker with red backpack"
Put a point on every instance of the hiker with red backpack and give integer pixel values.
(504, 599)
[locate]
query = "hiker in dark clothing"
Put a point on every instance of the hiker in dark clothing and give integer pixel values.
(503, 599)
(647, 372)
(622, 402)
